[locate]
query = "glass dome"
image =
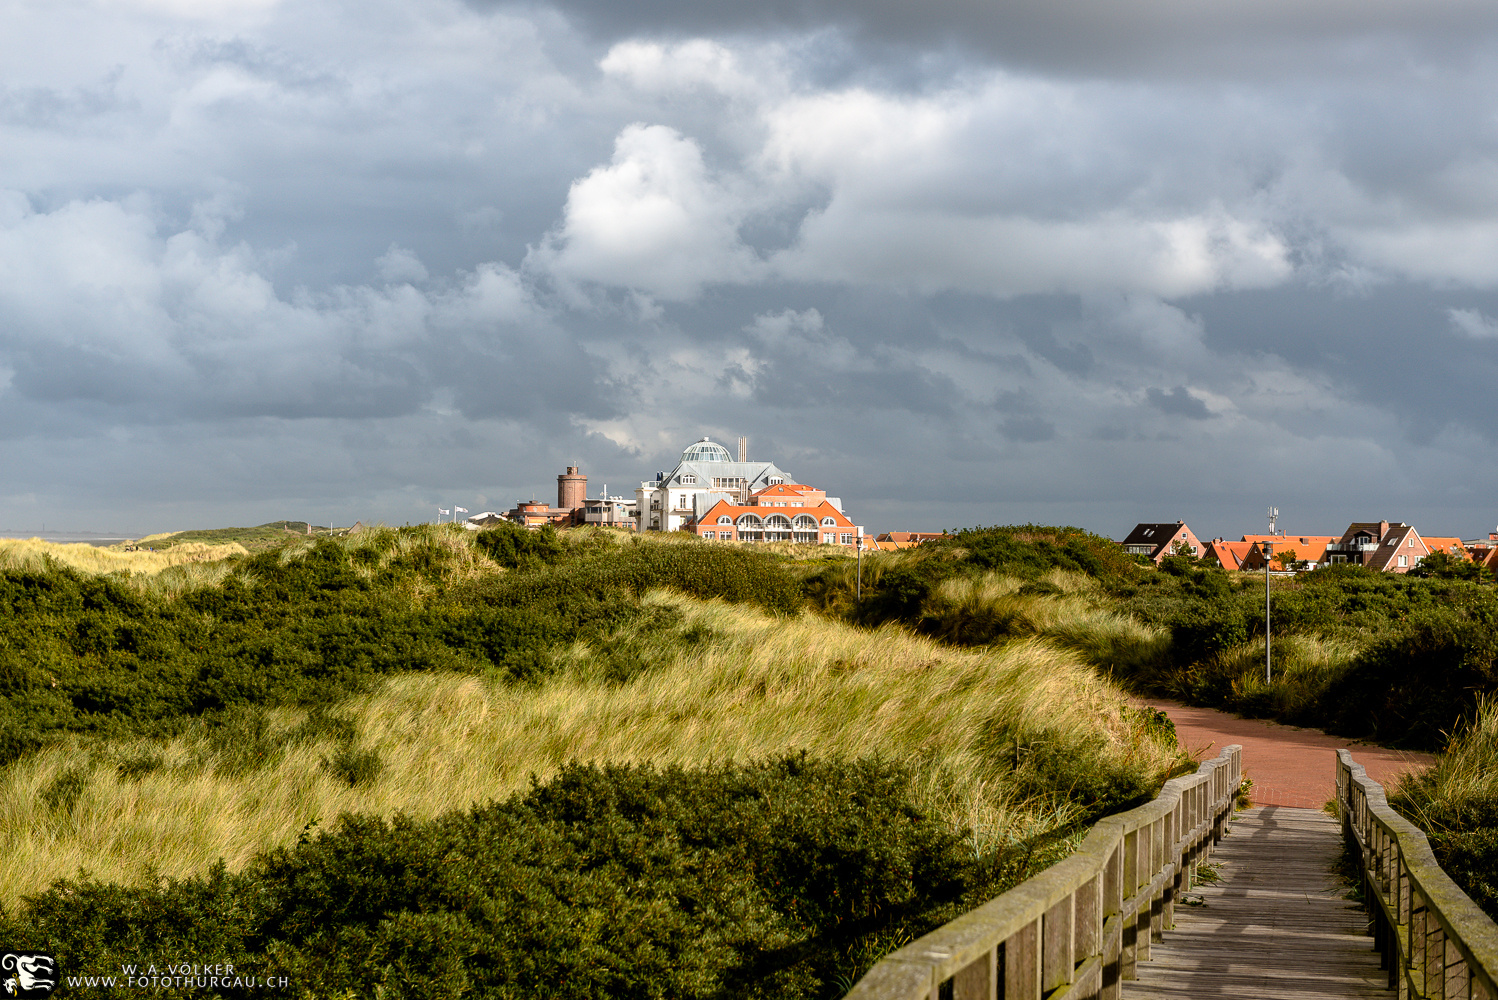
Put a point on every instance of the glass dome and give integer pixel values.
(706, 451)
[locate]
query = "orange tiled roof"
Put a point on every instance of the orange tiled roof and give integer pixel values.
(1451, 546)
(723, 507)
(1229, 555)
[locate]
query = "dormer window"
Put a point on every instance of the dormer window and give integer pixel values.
(687, 479)
(724, 519)
(829, 522)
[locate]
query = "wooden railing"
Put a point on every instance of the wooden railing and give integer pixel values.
(1077, 929)
(1433, 939)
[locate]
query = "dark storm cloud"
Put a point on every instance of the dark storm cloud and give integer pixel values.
(1397, 347)
(1089, 36)
(1178, 402)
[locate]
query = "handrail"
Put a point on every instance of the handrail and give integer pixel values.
(1433, 939)
(1076, 930)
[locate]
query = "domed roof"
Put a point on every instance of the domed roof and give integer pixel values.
(706, 451)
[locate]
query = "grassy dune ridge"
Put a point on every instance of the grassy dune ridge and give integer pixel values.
(1006, 743)
(36, 554)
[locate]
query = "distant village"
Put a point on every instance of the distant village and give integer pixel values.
(713, 494)
(720, 496)
(1387, 546)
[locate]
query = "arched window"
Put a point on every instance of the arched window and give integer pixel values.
(749, 521)
(779, 521)
(830, 522)
(724, 519)
(806, 521)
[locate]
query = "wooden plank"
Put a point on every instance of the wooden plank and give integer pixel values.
(1276, 925)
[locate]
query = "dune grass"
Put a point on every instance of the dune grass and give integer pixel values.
(34, 554)
(1007, 742)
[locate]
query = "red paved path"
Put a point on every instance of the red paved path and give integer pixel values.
(1289, 766)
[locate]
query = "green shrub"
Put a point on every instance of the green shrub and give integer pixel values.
(353, 766)
(782, 879)
(61, 794)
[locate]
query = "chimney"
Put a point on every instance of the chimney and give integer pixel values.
(743, 449)
(1383, 529)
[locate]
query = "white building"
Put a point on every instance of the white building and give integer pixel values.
(706, 474)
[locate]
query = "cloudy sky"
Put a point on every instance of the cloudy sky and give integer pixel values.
(959, 263)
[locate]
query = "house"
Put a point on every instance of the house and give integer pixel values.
(894, 540)
(1391, 547)
(1309, 550)
(808, 516)
(1228, 555)
(1453, 547)
(1160, 540)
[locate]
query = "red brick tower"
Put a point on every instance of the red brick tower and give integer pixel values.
(572, 489)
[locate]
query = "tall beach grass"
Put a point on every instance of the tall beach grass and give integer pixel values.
(1007, 742)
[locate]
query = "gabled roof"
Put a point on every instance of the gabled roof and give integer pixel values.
(1229, 555)
(1394, 544)
(911, 537)
(1157, 536)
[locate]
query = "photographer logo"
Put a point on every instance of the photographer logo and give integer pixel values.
(28, 974)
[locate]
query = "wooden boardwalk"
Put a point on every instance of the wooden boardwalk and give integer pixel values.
(1275, 925)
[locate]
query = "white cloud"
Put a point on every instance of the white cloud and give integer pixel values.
(1472, 323)
(698, 63)
(398, 264)
(655, 219)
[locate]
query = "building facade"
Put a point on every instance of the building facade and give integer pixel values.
(706, 475)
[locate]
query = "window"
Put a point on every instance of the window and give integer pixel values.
(1411, 542)
(797, 503)
(749, 521)
(829, 538)
(684, 501)
(847, 539)
(724, 519)
(776, 480)
(687, 479)
(709, 534)
(829, 522)
(1403, 560)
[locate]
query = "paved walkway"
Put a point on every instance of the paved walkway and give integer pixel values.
(1276, 924)
(1289, 766)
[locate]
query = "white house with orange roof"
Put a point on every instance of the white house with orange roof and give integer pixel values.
(800, 514)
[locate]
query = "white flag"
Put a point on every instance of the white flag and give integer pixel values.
(441, 511)
(461, 510)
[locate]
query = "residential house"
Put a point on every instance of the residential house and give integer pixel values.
(1381, 545)
(1309, 550)
(1160, 540)
(807, 516)
(891, 541)
(1228, 555)
(1453, 547)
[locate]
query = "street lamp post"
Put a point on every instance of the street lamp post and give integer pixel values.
(1274, 513)
(858, 537)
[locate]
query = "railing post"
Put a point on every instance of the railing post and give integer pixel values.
(1113, 878)
(1022, 963)
(1058, 959)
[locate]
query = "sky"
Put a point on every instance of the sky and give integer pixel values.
(959, 264)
